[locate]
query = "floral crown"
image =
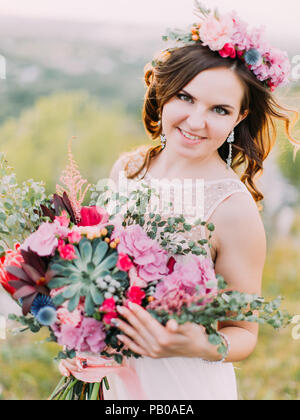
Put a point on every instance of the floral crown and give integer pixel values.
(229, 35)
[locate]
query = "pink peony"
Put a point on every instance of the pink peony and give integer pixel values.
(88, 336)
(44, 241)
(93, 336)
(124, 262)
(215, 33)
(135, 280)
(92, 216)
(147, 254)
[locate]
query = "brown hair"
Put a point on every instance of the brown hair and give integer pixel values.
(255, 136)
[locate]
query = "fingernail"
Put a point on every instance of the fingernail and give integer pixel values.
(130, 305)
(120, 309)
(115, 322)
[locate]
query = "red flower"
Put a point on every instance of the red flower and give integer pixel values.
(228, 51)
(171, 264)
(92, 216)
(67, 252)
(136, 295)
(108, 317)
(109, 305)
(124, 262)
(10, 258)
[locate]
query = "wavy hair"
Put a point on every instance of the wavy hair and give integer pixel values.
(255, 136)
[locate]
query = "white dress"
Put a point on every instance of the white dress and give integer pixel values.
(183, 378)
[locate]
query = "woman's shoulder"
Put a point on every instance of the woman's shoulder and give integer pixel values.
(129, 162)
(238, 220)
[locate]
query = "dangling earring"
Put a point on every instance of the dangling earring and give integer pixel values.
(163, 141)
(230, 140)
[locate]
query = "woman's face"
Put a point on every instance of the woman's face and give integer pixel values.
(207, 108)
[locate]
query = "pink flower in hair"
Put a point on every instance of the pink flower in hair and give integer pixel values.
(216, 33)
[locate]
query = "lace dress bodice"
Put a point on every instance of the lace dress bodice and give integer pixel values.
(194, 199)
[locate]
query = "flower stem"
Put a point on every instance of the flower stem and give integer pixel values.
(94, 395)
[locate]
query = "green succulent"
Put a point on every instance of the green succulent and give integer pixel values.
(80, 277)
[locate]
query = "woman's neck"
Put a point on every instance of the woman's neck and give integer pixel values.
(209, 168)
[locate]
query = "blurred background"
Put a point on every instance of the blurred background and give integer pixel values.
(74, 68)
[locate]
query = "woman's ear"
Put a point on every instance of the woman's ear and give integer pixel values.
(243, 116)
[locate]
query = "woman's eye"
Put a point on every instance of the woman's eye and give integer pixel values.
(182, 96)
(222, 109)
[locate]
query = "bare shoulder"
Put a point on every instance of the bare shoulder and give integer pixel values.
(239, 224)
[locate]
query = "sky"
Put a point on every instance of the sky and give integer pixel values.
(277, 15)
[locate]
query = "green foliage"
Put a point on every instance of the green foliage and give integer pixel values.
(80, 277)
(20, 211)
(36, 143)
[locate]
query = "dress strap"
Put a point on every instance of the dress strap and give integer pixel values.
(215, 193)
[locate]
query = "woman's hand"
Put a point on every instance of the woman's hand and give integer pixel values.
(146, 336)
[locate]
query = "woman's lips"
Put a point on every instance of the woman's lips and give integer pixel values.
(189, 140)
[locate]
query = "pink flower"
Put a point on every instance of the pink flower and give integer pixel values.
(135, 280)
(69, 318)
(43, 242)
(67, 252)
(135, 295)
(215, 33)
(146, 253)
(93, 336)
(109, 316)
(74, 237)
(228, 51)
(109, 305)
(88, 336)
(124, 262)
(64, 219)
(91, 216)
(11, 258)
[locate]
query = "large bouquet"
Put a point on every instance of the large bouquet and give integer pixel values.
(78, 263)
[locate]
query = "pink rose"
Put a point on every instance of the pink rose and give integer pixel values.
(91, 216)
(64, 219)
(215, 33)
(228, 51)
(43, 242)
(74, 237)
(124, 262)
(67, 252)
(135, 295)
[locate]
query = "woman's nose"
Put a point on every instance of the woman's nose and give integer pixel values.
(196, 120)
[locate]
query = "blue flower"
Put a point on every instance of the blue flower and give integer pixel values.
(46, 316)
(40, 302)
(252, 56)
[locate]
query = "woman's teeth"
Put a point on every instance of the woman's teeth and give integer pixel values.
(187, 135)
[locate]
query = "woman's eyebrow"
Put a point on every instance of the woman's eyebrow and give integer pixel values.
(191, 96)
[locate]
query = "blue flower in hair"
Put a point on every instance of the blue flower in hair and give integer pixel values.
(252, 56)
